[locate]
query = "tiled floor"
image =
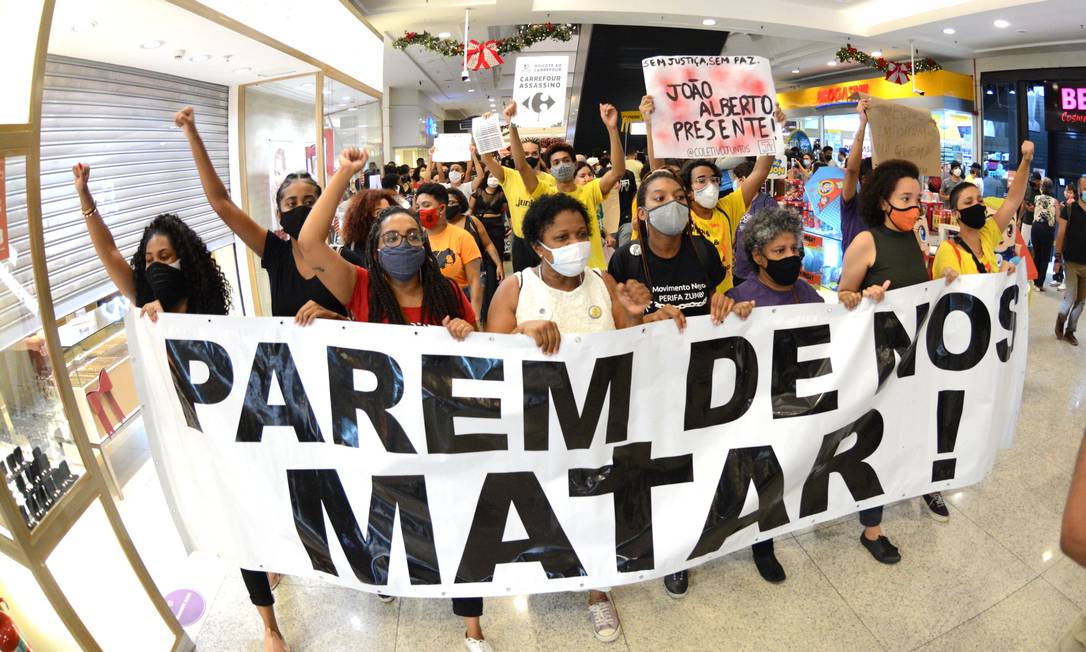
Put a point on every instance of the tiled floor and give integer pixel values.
(993, 578)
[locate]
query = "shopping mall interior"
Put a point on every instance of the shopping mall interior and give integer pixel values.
(121, 529)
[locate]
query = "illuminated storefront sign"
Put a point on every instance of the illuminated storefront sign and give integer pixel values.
(843, 93)
(1065, 107)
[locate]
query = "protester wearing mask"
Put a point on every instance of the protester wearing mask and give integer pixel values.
(562, 295)
(1025, 217)
(455, 251)
(972, 250)
(1045, 213)
(359, 218)
(492, 269)
(856, 170)
(295, 289)
(491, 207)
(949, 182)
(743, 268)
(560, 159)
(1071, 244)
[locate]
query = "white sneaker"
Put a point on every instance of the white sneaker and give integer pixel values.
(605, 624)
(1063, 286)
(477, 645)
(1053, 283)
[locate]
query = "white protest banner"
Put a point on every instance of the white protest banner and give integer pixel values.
(452, 148)
(487, 133)
(393, 458)
(712, 106)
(539, 89)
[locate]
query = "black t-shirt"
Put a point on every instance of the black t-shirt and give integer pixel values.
(288, 289)
(687, 281)
(1074, 241)
(627, 190)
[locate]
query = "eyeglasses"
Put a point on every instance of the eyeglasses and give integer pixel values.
(704, 180)
(394, 238)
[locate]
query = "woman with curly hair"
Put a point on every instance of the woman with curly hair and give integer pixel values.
(171, 271)
(361, 213)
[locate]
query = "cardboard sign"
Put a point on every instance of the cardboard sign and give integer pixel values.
(708, 107)
(452, 148)
(487, 133)
(4, 250)
(903, 132)
(539, 90)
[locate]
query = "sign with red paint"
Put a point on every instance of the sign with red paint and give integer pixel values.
(707, 107)
(1065, 106)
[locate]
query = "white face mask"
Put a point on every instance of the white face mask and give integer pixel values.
(492, 182)
(571, 259)
(455, 177)
(670, 218)
(708, 196)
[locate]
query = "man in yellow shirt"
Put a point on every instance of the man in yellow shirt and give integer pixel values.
(561, 160)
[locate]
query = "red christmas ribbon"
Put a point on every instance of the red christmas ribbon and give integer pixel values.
(483, 55)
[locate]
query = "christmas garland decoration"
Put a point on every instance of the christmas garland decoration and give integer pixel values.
(526, 36)
(897, 72)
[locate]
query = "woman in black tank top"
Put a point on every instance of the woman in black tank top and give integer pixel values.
(492, 268)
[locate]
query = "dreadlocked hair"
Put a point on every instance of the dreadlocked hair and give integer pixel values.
(439, 299)
(206, 287)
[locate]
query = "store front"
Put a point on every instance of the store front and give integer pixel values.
(1046, 106)
(828, 115)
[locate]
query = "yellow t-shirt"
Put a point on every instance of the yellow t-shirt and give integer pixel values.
(951, 254)
(591, 196)
(635, 166)
(720, 228)
(517, 195)
(453, 249)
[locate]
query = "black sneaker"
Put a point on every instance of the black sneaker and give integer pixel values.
(676, 584)
(769, 568)
(881, 549)
(937, 507)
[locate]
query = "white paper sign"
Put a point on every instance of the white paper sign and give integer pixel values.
(540, 91)
(487, 133)
(452, 148)
(392, 458)
(712, 106)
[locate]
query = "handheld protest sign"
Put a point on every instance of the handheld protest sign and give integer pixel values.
(487, 133)
(708, 107)
(539, 90)
(903, 132)
(452, 148)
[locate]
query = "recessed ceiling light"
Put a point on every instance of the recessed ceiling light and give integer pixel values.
(989, 92)
(85, 26)
(151, 45)
(199, 58)
(444, 35)
(243, 69)
(795, 71)
(876, 53)
(949, 31)
(471, 90)
(1013, 92)
(1001, 24)
(831, 63)
(708, 22)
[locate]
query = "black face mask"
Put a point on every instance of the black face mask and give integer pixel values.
(453, 211)
(784, 271)
(533, 161)
(292, 220)
(167, 283)
(973, 216)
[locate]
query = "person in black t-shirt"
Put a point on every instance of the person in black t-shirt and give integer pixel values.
(296, 291)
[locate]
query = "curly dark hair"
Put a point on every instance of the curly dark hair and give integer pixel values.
(439, 192)
(560, 146)
(361, 212)
(879, 187)
(542, 212)
(686, 175)
(206, 287)
(439, 297)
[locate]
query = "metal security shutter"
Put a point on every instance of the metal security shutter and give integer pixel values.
(120, 122)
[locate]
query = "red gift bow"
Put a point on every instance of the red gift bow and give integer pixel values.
(897, 72)
(479, 54)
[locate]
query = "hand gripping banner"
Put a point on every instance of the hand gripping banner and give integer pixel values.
(394, 458)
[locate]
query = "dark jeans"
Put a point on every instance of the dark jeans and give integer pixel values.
(260, 592)
(871, 517)
(468, 607)
(523, 255)
(1043, 240)
(762, 548)
(490, 284)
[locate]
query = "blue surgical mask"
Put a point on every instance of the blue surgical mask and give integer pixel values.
(402, 262)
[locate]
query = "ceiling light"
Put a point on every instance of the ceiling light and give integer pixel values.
(444, 35)
(151, 45)
(795, 71)
(831, 63)
(1013, 92)
(85, 26)
(949, 31)
(243, 69)
(199, 58)
(989, 92)
(1001, 24)
(876, 53)
(471, 90)
(708, 22)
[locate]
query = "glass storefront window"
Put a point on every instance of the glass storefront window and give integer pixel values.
(1000, 143)
(37, 452)
(1035, 122)
(956, 135)
(839, 130)
(351, 119)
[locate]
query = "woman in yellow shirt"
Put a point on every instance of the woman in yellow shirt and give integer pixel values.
(972, 250)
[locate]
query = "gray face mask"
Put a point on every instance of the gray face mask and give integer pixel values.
(670, 218)
(563, 172)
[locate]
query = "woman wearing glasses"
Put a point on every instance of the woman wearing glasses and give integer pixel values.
(295, 289)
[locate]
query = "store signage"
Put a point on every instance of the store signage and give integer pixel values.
(838, 94)
(539, 90)
(395, 459)
(1065, 107)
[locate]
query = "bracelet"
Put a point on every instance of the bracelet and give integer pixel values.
(91, 211)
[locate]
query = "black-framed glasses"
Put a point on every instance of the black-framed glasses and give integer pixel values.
(394, 238)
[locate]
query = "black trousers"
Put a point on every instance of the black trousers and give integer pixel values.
(871, 517)
(259, 588)
(762, 548)
(523, 255)
(468, 607)
(1043, 240)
